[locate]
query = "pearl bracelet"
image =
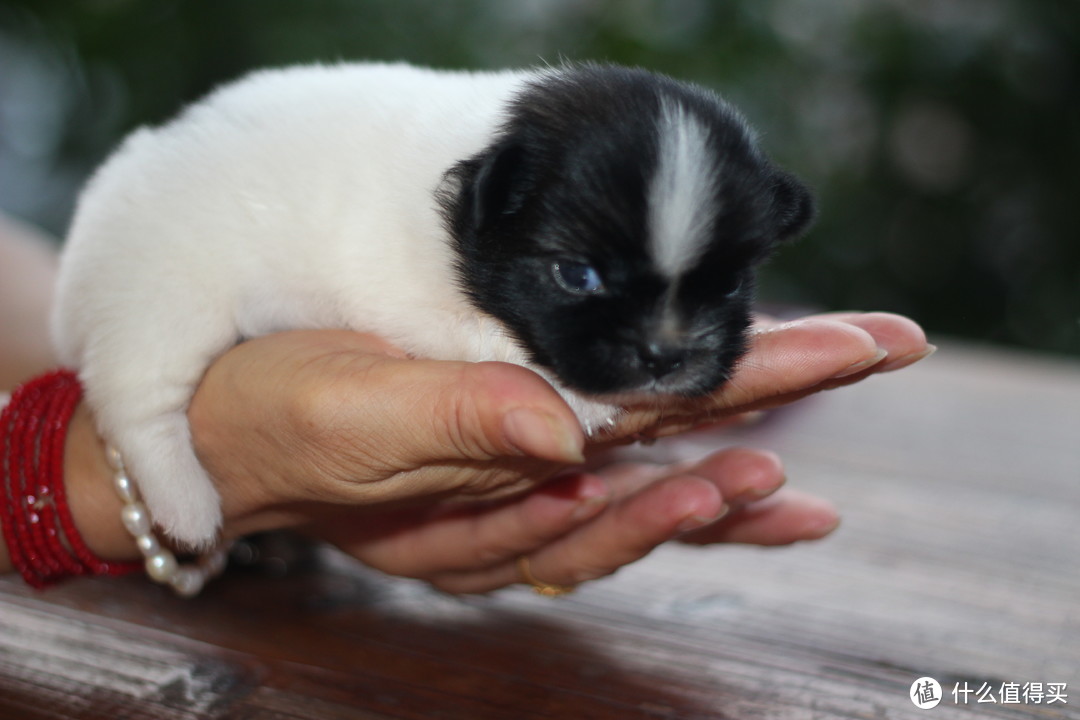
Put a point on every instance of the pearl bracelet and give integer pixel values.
(161, 564)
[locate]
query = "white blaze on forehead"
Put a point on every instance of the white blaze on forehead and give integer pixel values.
(682, 198)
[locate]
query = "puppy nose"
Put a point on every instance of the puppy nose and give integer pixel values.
(660, 359)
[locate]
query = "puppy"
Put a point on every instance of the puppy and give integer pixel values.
(598, 224)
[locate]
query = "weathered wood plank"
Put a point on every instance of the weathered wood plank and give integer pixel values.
(959, 559)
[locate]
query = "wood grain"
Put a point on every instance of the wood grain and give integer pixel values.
(959, 558)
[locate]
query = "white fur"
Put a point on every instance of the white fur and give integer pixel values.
(682, 204)
(297, 198)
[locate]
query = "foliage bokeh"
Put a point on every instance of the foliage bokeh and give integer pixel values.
(942, 136)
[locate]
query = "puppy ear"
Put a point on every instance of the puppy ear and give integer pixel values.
(793, 206)
(500, 184)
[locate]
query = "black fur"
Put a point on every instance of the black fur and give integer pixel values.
(568, 179)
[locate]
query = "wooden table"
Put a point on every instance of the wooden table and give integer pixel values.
(959, 559)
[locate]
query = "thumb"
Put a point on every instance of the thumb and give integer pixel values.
(483, 411)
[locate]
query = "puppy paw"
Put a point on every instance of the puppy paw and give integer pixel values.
(193, 524)
(180, 496)
(596, 417)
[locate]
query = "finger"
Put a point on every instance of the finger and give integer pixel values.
(742, 475)
(467, 409)
(788, 516)
(739, 474)
(436, 411)
(903, 339)
(498, 410)
(899, 341)
(783, 359)
(791, 356)
(625, 532)
(380, 429)
(470, 539)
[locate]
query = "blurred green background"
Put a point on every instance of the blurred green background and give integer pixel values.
(942, 137)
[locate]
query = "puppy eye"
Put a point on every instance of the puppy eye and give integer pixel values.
(577, 277)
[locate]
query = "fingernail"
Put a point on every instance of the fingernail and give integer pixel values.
(863, 364)
(759, 493)
(588, 507)
(904, 360)
(541, 435)
(753, 417)
(674, 427)
(695, 522)
(818, 530)
(592, 495)
(746, 419)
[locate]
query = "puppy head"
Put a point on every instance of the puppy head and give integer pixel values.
(614, 227)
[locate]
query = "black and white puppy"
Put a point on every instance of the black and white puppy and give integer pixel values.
(598, 224)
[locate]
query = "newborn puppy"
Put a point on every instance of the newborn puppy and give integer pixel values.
(597, 224)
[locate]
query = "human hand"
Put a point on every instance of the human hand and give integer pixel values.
(293, 424)
(584, 525)
(301, 471)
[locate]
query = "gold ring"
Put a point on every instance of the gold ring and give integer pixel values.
(539, 586)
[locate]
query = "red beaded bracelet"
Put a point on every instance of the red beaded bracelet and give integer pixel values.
(42, 540)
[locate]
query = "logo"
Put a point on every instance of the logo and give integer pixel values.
(925, 693)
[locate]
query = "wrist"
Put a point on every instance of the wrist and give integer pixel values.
(67, 506)
(95, 505)
(42, 539)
